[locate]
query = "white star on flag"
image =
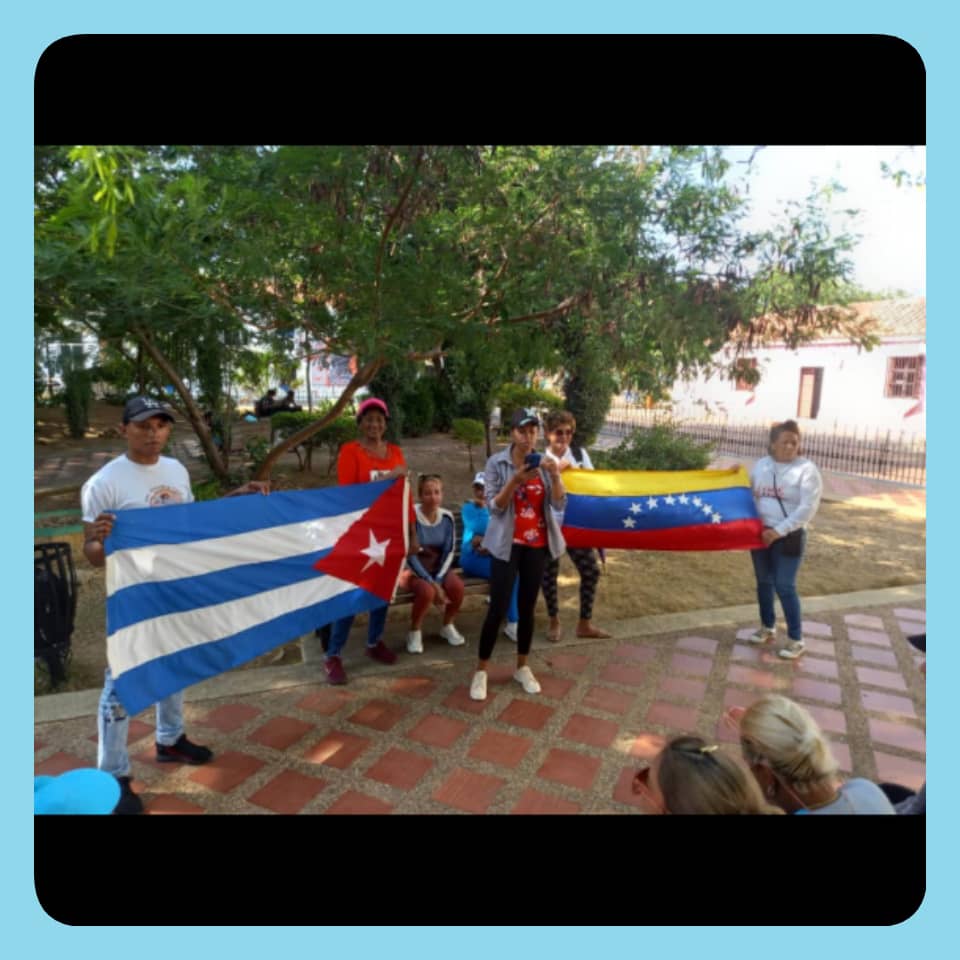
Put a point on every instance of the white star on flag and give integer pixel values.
(652, 503)
(629, 522)
(684, 499)
(635, 507)
(707, 508)
(697, 501)
(669, 500)
(716, 518)
(376, 551)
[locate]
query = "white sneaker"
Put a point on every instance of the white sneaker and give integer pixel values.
(763, 635)
(524, 676)
(478, 686)
(414, 642)
(510, 631)
(452, 635)
(792, 650)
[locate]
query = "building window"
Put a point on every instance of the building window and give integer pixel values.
(811, 383)
(903, 376)
(745, 363)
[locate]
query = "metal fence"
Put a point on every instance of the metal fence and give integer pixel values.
(879, 454)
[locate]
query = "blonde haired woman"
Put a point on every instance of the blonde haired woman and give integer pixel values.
(691, 776)
(794, 765)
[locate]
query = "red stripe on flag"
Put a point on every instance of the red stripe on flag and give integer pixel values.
(735, 535)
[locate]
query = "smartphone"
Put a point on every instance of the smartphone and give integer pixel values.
(532, 460)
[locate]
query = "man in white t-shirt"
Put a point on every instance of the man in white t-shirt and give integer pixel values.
(141, 477)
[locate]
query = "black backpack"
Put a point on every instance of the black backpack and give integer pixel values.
(55, 606)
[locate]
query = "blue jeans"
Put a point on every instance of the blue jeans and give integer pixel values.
(778, 574)
(475, 566)
(113, 724)
(340, 630)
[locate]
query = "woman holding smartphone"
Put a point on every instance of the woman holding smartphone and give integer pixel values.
(526, 500)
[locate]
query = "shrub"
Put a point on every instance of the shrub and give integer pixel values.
(78, 392)
(662, 447)
(471, 433)
(418, 408)
(512, 396)
(331, 437)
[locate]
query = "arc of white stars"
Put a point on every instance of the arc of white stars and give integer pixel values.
(707, 508)
(629, 522)
(684, 499)
(670, 499)
(635, 507)
(697, 502)
(652, 503)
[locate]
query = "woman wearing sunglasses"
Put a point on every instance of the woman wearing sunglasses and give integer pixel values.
(691, 776)
(560, 428)
(793, 763)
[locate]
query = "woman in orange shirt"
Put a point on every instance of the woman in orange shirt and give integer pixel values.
(362, 461)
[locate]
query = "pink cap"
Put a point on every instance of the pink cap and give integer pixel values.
(372, 403)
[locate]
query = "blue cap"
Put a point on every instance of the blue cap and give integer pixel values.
(77, 791)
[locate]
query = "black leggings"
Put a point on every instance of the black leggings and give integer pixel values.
(526, 565)
(585, 560)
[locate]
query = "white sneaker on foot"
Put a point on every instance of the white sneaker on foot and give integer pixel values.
(478, 686)
(524, 676)
(763, 635)
(510, 631)
(452, 635)
(414, 642)
(792, 650)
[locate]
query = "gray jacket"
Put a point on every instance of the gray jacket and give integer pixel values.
(499, 536)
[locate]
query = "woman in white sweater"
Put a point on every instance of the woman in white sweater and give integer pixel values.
(786, 490)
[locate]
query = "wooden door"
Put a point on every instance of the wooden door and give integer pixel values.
(811, 381)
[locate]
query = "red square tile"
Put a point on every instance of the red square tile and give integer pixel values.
(500, 674)
(590, 731)
(533, 801)
(903, 770)
(868, 636)
(911, 613)
(623, 791)
(354, 802)
(621, 673)
(908, 627)
(417, 688)
(755, 678)
(634, 652)
(897, 735)
(864, 620)
(438, 731)
(887, 703)
(881, 678)
(828, 719)
(280, 732)
(736, 697)
(673, 716)
(882, 658)
(647, 745)
(465, 790)
(698, 644)
(698, 666)
(230, 717)
(607, 700)
(749, 652)
(570, 768)
(817, 690)
(168, 803)
(226, 771)
(812, 628)
(327, 701)
(137, 731)
(841, 753)
(568, 662)
(400, 768)
(288, 792)
(39, 744)
(556, 688)
(683, 687)
(337, 749)
(523, 713)
(460, 700)
(820, 647)
(379, 715)
(59, 763)
(822, 668)
(504, 749)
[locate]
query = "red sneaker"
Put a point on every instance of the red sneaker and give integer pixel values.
(382, 653)
(335, 672)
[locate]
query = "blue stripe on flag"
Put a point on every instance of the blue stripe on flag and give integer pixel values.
(608, 513)
(158, 678)
(146, 600)
(183, 522)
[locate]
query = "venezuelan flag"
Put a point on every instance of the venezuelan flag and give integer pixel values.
(661, 509)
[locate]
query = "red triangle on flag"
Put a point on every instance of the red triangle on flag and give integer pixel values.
(372, 551)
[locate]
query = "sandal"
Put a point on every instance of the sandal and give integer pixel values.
(553, 632)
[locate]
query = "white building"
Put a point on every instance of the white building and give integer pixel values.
(831, 382)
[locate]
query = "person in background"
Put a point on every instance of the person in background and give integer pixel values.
(474, 557)
(141, 477)
(526, 500)
(786, 489)
(690, 776)
(266, 405)
(560, 429)
(288, 404)
(428, 575)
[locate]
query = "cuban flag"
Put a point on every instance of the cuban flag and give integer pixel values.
(661, 510)
(196, 589)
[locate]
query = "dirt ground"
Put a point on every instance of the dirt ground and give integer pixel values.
(850, 548)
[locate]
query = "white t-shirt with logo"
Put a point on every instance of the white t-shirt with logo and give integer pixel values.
(124, 485)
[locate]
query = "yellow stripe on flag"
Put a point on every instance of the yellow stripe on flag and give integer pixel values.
(636, 483)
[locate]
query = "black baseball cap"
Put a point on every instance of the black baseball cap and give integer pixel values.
(919, 641)
(524, 417)
(143, 408)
